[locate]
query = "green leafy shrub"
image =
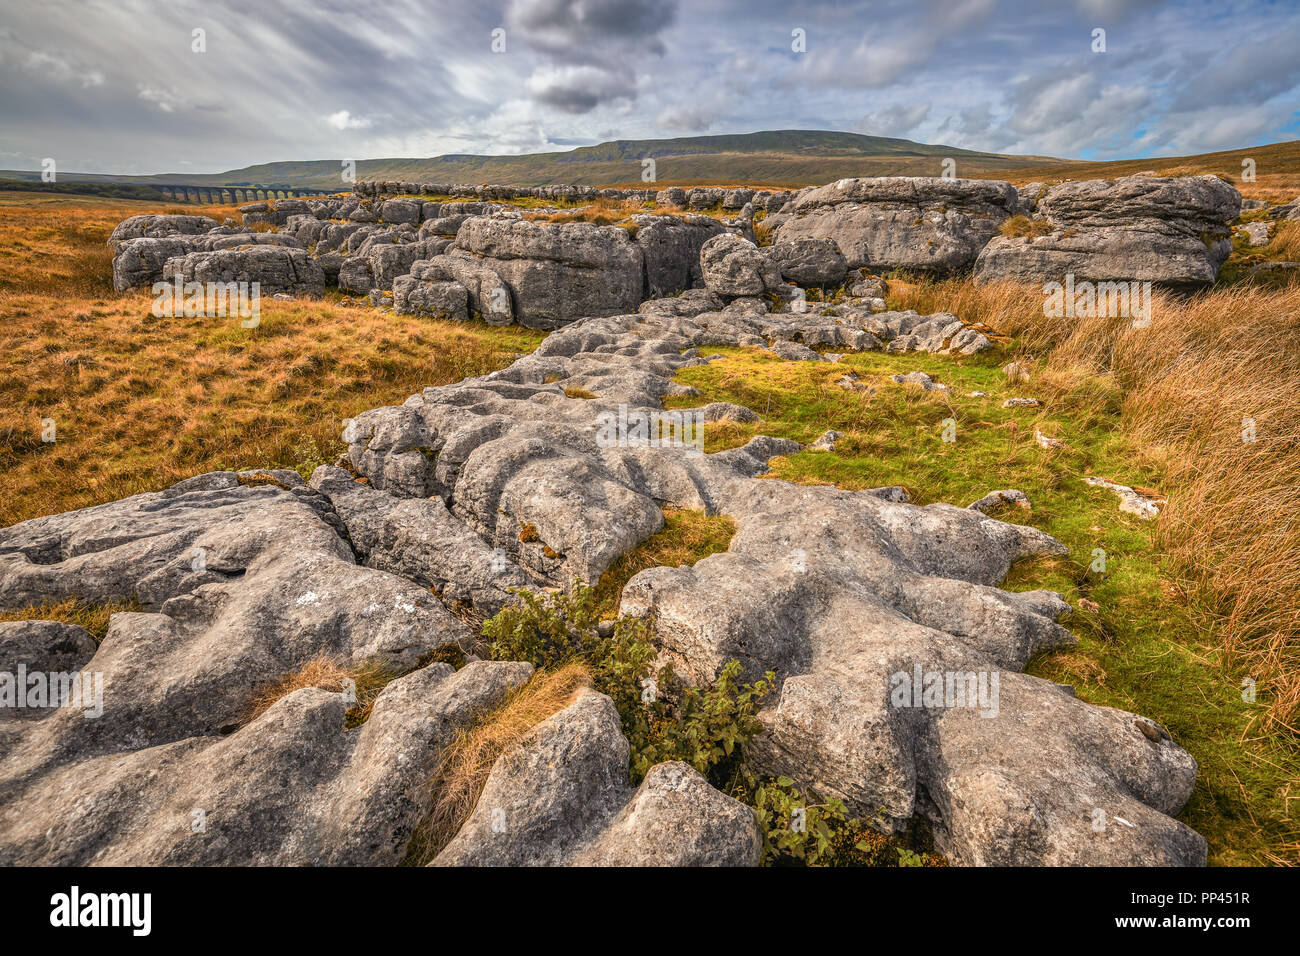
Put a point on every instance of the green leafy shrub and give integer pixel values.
(663, 719)
(799, 829)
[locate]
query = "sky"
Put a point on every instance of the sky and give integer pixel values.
(138, 87)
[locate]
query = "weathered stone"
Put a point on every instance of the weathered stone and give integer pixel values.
(1131, 501)
(561, 797)
(293, 787)
(556, 272)
(419, 539)
(1170, 231)
(810, 261)
(931, 225)
(276, 268)
(488, 297)
(406, 210)
(670, 247)
(1001, 498)
(440, 300)
(139, 262)
(157, 227)
(690, 302)
(47, 646)
(732, 266)
(941, 333)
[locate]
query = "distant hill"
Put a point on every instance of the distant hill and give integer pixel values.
(774, 157)
(109, 190)
(767, 158)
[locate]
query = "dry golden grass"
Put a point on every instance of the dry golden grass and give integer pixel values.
(140, 402)
(1024, 226)
(92, 617)
(464, 766)
(1285, 242)
(1189, 388)
(613, 212)
(328, 673)
(686, 537)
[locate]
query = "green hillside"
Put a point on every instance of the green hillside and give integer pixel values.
(776, 157)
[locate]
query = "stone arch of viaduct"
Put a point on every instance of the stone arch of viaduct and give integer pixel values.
(222, 195)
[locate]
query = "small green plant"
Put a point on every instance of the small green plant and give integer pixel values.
(794, 828)
(801, 829)
(663, 719)
(707, 727)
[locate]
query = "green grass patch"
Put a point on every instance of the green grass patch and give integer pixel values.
(686, 537)
(1139, 649)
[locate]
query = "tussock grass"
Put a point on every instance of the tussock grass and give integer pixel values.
(1285, 242)
(329, 673)
(464, 765)
(1023, 226)
(1193, 385)
(93, 617)
(618, 212)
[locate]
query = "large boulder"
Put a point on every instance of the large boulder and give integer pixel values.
(732, 266)
(276, 268)
(810, 261)
(436, 299)
(274, 212)
(1170, 231)
(402, 210)
(244, 240)
(556, 272)
(922, 224)
(671, 248)
(487, 296)
(139, 262)
(158, 226)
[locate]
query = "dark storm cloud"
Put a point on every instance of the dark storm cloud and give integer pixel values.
(591, 47)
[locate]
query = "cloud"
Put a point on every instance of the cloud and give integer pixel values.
(1114, 9)
(905, 38)
(1249, 73)
(688, 119)
(163, 99)
(580, 89)
(589, 47)
(897, 120)
(344, 120)
(419, 77)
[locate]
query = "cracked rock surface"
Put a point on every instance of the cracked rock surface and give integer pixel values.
(846, 595)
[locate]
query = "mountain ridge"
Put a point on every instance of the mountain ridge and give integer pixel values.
(787, 156)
